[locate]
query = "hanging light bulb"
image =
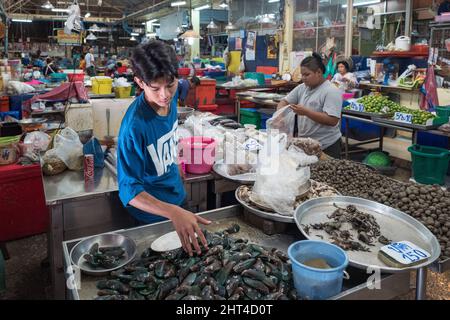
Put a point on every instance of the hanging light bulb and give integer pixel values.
(87, 15)
(132, 38)
(47, 5)
(230, 26)
(91, 36)
(211, 25)
(94, 27)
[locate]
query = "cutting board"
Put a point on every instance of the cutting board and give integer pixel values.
(118, 108)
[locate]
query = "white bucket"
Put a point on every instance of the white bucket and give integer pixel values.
(403, 43)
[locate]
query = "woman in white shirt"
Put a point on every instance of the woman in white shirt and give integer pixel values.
(344, 79)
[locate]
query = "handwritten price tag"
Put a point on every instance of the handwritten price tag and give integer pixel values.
(403, 117)
(405, 252)
(355, 106)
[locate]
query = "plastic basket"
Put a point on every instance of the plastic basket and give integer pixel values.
(58, 76)
(101, 85)
(429, 164)
(251, 116)
(4, 104)
(74, 77)
(123, 92)
(258, 76)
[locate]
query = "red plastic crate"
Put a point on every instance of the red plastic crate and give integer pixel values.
(4, 104)
(210, 107)
(74, 77)
(184, 71)
(203, 94)
(23, 211)
(267, 70)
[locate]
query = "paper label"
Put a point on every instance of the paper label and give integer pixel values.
(405, 252)
(403, 117)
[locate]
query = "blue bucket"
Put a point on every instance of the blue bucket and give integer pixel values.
(314, 283)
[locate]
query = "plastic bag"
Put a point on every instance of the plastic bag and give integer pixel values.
(69, 149)
(94, 147)
(38, 140)
(17, 87)
(280, 174)
(283, 120)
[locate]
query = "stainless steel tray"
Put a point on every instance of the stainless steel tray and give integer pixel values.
(220, 169)
(405, 125)
(394, 224)
(361, 113)
(356, 288)
(263, 214)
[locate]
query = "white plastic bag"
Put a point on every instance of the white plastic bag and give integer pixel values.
(280, 175)
(69, 149)
(283, 120)
(38, 140)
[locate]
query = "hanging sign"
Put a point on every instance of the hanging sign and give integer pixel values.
(250, 46)
(64, 38)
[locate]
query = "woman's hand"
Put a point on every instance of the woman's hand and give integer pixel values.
(299, 109)
(186, 225)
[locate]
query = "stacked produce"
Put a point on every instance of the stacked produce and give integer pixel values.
(428, 204)
(381, 104)
(231, 269)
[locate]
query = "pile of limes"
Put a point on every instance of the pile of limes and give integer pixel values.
(381, 104)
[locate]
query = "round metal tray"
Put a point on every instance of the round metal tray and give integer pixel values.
(221, 169)
(263, 214)
(394, 224)
(104, 240)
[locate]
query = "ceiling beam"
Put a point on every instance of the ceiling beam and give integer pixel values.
(49, 17)
(17, 5)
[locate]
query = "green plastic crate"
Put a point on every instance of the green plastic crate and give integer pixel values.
(251, 117)
(429, 164)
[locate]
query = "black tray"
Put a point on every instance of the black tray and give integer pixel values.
(405, 125)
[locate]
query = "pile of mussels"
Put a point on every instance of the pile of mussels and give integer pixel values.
(231, 269)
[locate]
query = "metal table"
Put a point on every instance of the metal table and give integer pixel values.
(391, 285)
(346, 117)
(101, 96)
(78, 210)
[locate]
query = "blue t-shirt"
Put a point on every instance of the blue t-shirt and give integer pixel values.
(183, 89)
(147, 157)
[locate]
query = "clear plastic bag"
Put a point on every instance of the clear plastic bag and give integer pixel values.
(69, 149)
(280, 174)
(283, 120)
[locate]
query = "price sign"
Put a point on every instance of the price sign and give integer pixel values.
(405, 252)
(251, 145)
(355, 106)
(403, 117)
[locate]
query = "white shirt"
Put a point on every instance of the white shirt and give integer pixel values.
(89, 58)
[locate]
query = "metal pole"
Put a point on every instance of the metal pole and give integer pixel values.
(6, 38)
(408, 20)
(349, 29)
(421, 284)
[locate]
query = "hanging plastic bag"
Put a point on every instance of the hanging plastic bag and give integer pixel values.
(280, 175)
(283, 120)
(69, 149)
(429, 98)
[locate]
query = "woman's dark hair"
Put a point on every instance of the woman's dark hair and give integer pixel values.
(345, 64)
(195, 80)
(119, 64)
(154, 60)
(314, 63)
